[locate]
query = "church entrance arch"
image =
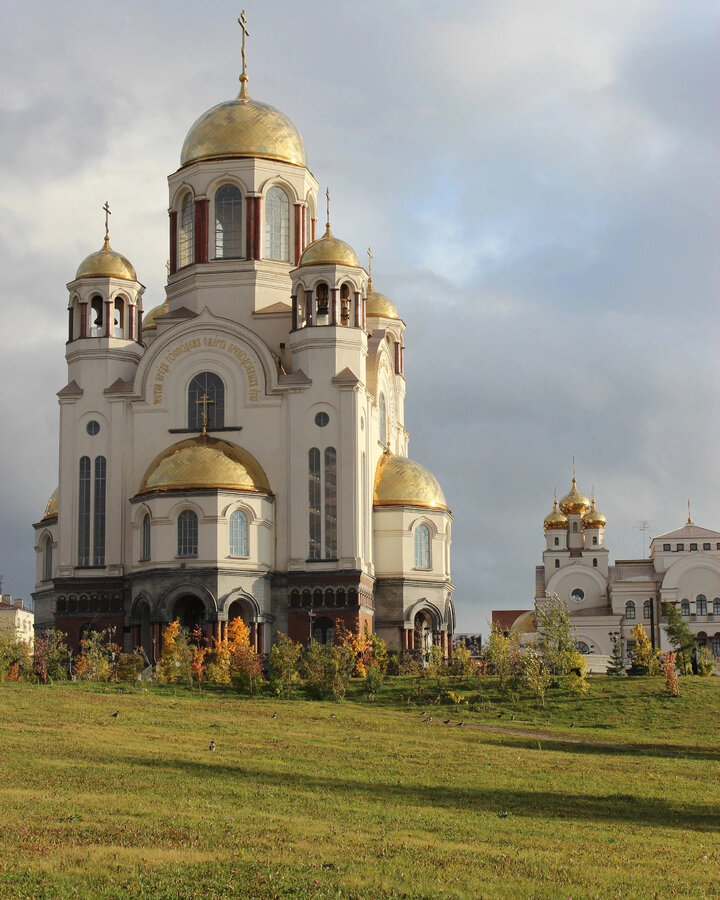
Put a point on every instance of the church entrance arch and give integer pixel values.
(141, 633)
(238, 609)
(190, 611)
(423, 634)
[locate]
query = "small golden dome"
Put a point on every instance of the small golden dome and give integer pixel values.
(400, 481)
(106, 263)
(593, 518)
(329, 251)
(525, 623)
(51, 510)
(149, 323)
(245, 128)
(380, 305)
(204, 463)
(574, 503)
(555, 519)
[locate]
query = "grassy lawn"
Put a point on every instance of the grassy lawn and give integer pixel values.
(615, 794)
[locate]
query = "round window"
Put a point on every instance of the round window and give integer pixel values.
(578, 595)
(93, 427)
(321, 419)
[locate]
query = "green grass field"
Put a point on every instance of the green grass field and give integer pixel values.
(623, 803)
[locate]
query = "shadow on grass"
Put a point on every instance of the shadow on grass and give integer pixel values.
(618, 807)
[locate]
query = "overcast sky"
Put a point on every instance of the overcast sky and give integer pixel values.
(539, 182)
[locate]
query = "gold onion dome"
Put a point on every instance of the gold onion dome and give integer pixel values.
(149, 322)
(51, 510)
(243, 128)
(106, 263)
(204, 463)
(400, 481)
(574, 503)
(593, 518)
(329, 251)
(525, 623)
(555, 519)
(380, 305)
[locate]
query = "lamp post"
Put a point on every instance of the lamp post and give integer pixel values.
(311, 616)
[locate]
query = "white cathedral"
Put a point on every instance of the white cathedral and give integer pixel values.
(241, 449)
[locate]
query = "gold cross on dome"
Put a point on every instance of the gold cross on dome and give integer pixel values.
(107, 220)
(242, 22)
(327, 205)
(370, 262)
(204, 401)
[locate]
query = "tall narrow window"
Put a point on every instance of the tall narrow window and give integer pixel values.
(238, 534)
(84, 512)
(314, 503)
(277, 225)
(187, 542)
(647, 609)
(716, 606)
(716, 644)
(364, 505)
(186, 244)
(97, 317)
(210, 386)
(330, 503)
(47, 559)
(119, 318)
(228, 222)
(382, 413)
(630, 610)
(145, 550)
(422, 547)
(685, 607)
(701, 605)
(99, 511)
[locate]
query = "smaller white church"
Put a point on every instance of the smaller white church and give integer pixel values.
(683, 568)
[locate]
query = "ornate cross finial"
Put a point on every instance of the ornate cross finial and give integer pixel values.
(574, 478)
(689, 521)
(370, 262)
(242, 22)
(107, 220)
(204, 401)
(555, 496)
(327, 204)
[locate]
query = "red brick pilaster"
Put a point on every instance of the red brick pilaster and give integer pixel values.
(108, 318)
(334, 301)
(70, 324)
(173, 242)
(201, 230)
(357, 309)
(83, 319)
(298, 231)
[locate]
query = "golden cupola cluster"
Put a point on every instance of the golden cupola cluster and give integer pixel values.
(400, 481)
(577, 504)
(106, 263)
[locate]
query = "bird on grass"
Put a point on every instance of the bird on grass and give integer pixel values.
(572, 724)
(460, 724)
(333, 716)
(429, 719)
(423, 713)
(274, 716)
(500, 715)
(115, 714)
(446, 722)
(212, 745)
(512, 717)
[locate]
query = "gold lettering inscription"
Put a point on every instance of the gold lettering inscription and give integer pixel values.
(214, 343)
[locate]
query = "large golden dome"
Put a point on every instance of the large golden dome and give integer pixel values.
(51, 510)
(400, 481)
(244, 127)
(555, 519)
(106, 263)
(380, 305)
(574, 503)
(329, 251)
(594, 518)
(525, 623)
(204, 463)
(149, 322)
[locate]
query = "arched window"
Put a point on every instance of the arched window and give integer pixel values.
(422, 547)
(314, 490)
(701, 639)
(97, 317)
(238, 534)
(228, 222)
(583, 647)
(209, 385)
(187, 533)
(557, 563)
(47, 559)
(345, 295)
(277, 225)
(716, 606)
(330, 503)
(382, 413)
(595, 563)
(322, 300)
(323, 631)
(557, 541)
(594, 539)
(186, 243)
(685, 608)
(119, 318)
(716, 644)
(647, 609)
(701, 605)
(630, 610)
(99, 511)
(575, 526)
(145, 549)
(84, 512)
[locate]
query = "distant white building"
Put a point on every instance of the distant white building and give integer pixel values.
(16, 618)
(683, 568)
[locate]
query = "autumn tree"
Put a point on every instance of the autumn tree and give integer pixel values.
(642, 652)
(680, 637)
(502, 654)
(668, 664)
(284, 661)
(176, 656)
(557, 639)
(536, 674)
(245, 665)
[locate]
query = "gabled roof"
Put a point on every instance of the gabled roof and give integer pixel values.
(688, 532)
